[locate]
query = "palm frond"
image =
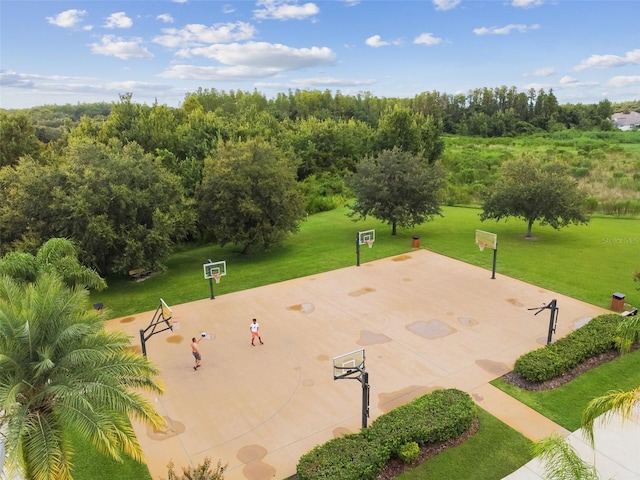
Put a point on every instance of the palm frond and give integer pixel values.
(561, 461)
(606, 407)
(46, 454)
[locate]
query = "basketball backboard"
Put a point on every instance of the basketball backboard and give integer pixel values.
(215, 270)
(366, 237)
(486, 239)
(348, 364)
(167, 313)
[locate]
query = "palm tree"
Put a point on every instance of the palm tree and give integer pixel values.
(57, 255)
(62, 372)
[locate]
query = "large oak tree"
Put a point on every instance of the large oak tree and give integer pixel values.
(249, 195)
(396, 187)
(534, 190)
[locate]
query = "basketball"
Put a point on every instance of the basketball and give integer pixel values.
(203, 335)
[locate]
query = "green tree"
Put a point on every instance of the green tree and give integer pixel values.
(396, 187)
(57, 255)
(62, 372)
(249, 195)
(120, 207)
(534, 191)
(412, 132)
(18, 138)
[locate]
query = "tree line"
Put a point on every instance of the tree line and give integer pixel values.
(238, 168)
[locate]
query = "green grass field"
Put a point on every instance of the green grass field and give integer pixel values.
(588, 262)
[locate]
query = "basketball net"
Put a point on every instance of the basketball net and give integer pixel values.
(216, 277)
(482, 245)
(369, 243)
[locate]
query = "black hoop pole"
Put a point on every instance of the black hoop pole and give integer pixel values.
(358, 249)
(495, 254)
(211, 295)
(365, 397)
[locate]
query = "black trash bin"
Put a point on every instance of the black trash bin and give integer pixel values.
(416, 242)
(617, 302)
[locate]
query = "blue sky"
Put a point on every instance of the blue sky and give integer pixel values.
(57, 52)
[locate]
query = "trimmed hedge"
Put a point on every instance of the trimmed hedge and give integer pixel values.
(553, 360)
(436, 417)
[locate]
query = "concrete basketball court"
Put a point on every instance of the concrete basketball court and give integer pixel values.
(425, 321)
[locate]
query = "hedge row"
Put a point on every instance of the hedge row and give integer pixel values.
(436, 417)
(596, 337)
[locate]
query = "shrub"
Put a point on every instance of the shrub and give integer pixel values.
(351, 457)
(596, 337)
(201, 472)
(409, 452)
(436, 417)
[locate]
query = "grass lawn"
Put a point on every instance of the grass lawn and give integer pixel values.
(564, 405)
(492, 453)
(88, 464)
(551, 259)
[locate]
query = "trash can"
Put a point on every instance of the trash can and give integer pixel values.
(617, 302)
(416, 242)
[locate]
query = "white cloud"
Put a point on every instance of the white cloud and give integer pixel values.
(266, 55)
(250, 60)
(179, 1)
(427, 39)
(351, 3)
(315, 83)
(543, 72)
(526, 3)
(118, 20)
(68, 18)
(284, 10)
(232, 73)
(567, 80)
(446, 4)
(625, 81)
(608, 61)
(165, 17)
(113, 46)
(507, 29)
(198, 35)
(56, 84)
(376, 41)
(228, 8)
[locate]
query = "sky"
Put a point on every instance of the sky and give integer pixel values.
(70, 52)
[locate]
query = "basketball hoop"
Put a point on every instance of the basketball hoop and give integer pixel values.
(175, 324)
(216, 277)
(481, 245)
(369, 242)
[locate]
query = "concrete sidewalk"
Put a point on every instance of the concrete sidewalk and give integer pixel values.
(616, 454)
(425, 321)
